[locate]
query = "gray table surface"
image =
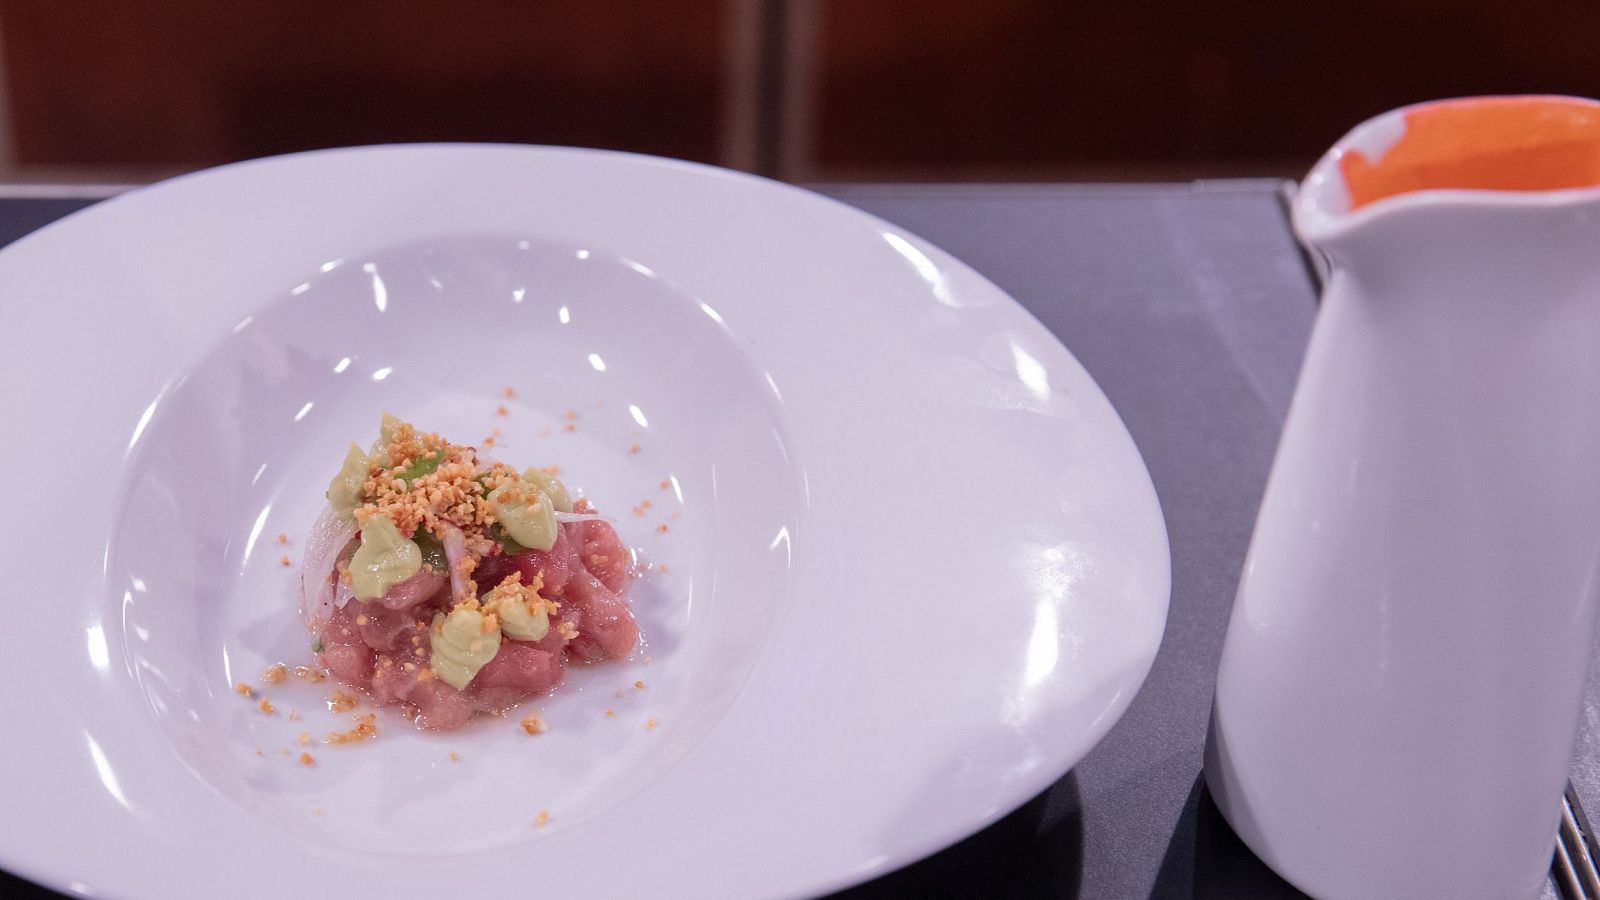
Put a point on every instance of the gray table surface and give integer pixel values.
(1190, 305)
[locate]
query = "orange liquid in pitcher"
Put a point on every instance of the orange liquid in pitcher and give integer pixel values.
(1485, 143)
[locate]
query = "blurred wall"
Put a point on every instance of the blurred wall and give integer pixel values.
(801, 89)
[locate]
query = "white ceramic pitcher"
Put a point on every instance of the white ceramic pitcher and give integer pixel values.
(1403, 673)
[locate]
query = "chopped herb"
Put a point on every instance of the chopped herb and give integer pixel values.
(433, 555)
(423, 466)
(316, 645)
(507, 544)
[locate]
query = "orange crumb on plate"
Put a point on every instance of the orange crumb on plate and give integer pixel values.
(651, 724)
(266, 706)
(501, 410)
(533, 724)
(285, 561)
(638, 685)
(339, 701)
(366, 728)
(306, 759)
(543, 818)
(275, 674)
(509, 392)
(454, 756)
(283, 538)
(243, 690)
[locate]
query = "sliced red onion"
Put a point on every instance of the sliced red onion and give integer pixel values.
(328, 536)
(342, 593)
(455, 550)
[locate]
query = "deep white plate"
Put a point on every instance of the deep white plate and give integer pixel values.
(915, 566)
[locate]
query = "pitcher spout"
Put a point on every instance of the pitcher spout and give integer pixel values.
(1440, 177)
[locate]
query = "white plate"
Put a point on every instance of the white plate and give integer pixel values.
(916, 568)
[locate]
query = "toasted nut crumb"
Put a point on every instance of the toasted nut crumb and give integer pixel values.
(533, 724)
(243, 690)
(366, 727)
(339, 701)
(510, 392)
(569, 427)
(362, 619)
(310, 673)
(303, 738)
(666, 484)
(306, 759)
(543, 818)
(662, 528)
(283, 538)
(638, 685)
(294, 715)
(285, 561)
(454, 756)
(611, 714)
(266, 706)
(650, 724)
(633, 449)
(275, 674)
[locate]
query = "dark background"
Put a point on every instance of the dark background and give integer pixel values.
(808, 90)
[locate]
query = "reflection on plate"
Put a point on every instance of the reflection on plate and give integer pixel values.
(916, 567)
